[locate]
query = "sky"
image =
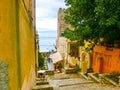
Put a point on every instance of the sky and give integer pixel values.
(46, 19)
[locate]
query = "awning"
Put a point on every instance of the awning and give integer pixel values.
(56, 57)
(41, 71)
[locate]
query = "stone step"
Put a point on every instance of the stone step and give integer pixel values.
(42, 87)
(49, 72)
(73, 81)
(42, 79)
(93, 77)
(85, 82)
(84, 76)
(70, 70)
(41, 82)
(109, 80)
(38, 79)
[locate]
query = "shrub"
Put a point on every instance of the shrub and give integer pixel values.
(114, 76)
(41, 60)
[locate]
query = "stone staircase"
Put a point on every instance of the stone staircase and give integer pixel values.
(101, 79)
(70, 70)
(42, 84)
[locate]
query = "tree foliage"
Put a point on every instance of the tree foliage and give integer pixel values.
(41, 60)
(93, 19)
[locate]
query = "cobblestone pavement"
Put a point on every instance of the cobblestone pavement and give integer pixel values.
(71, 82)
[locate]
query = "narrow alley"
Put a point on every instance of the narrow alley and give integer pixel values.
(71, 77)
(60, 45)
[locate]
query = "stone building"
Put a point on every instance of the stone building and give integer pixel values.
(17, 44)
(72, 54)
(61, 43)
(61, 23)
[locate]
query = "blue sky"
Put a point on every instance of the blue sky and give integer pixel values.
(46, 18)
(46, 14)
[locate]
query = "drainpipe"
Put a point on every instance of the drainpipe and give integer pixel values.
(17, 42)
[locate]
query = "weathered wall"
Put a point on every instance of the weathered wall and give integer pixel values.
(27, 48)
(17, 44)
(106, 59)
(8, 40)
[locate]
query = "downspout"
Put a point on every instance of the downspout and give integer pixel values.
(17, 43)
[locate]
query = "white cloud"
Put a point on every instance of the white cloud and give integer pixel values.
(47, 23)
(50, 3)
(46, 13)
(46, 20)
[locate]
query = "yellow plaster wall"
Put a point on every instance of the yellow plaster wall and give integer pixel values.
(8, 40)
(17, 44)
(27, 49)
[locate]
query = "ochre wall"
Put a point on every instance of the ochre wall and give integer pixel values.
(27, 48)
(27, 51)
(109, 58)
(17, 46)
(8, 40)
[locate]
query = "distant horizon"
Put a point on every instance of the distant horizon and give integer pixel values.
(46, 22)
(47, 40)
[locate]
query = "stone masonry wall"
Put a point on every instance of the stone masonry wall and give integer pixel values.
(3, 75)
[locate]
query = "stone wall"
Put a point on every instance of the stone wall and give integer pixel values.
(3, 75)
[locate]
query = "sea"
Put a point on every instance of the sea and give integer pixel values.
(47, 40)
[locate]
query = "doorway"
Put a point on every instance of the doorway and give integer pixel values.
(101, 67)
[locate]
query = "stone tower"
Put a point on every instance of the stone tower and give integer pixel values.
(60, 24)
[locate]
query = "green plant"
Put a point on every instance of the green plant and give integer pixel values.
(96, 75)
(41, 60)
(89, 70)
(86, 74)
(92, 20)
(74, 49)
(114, 76)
